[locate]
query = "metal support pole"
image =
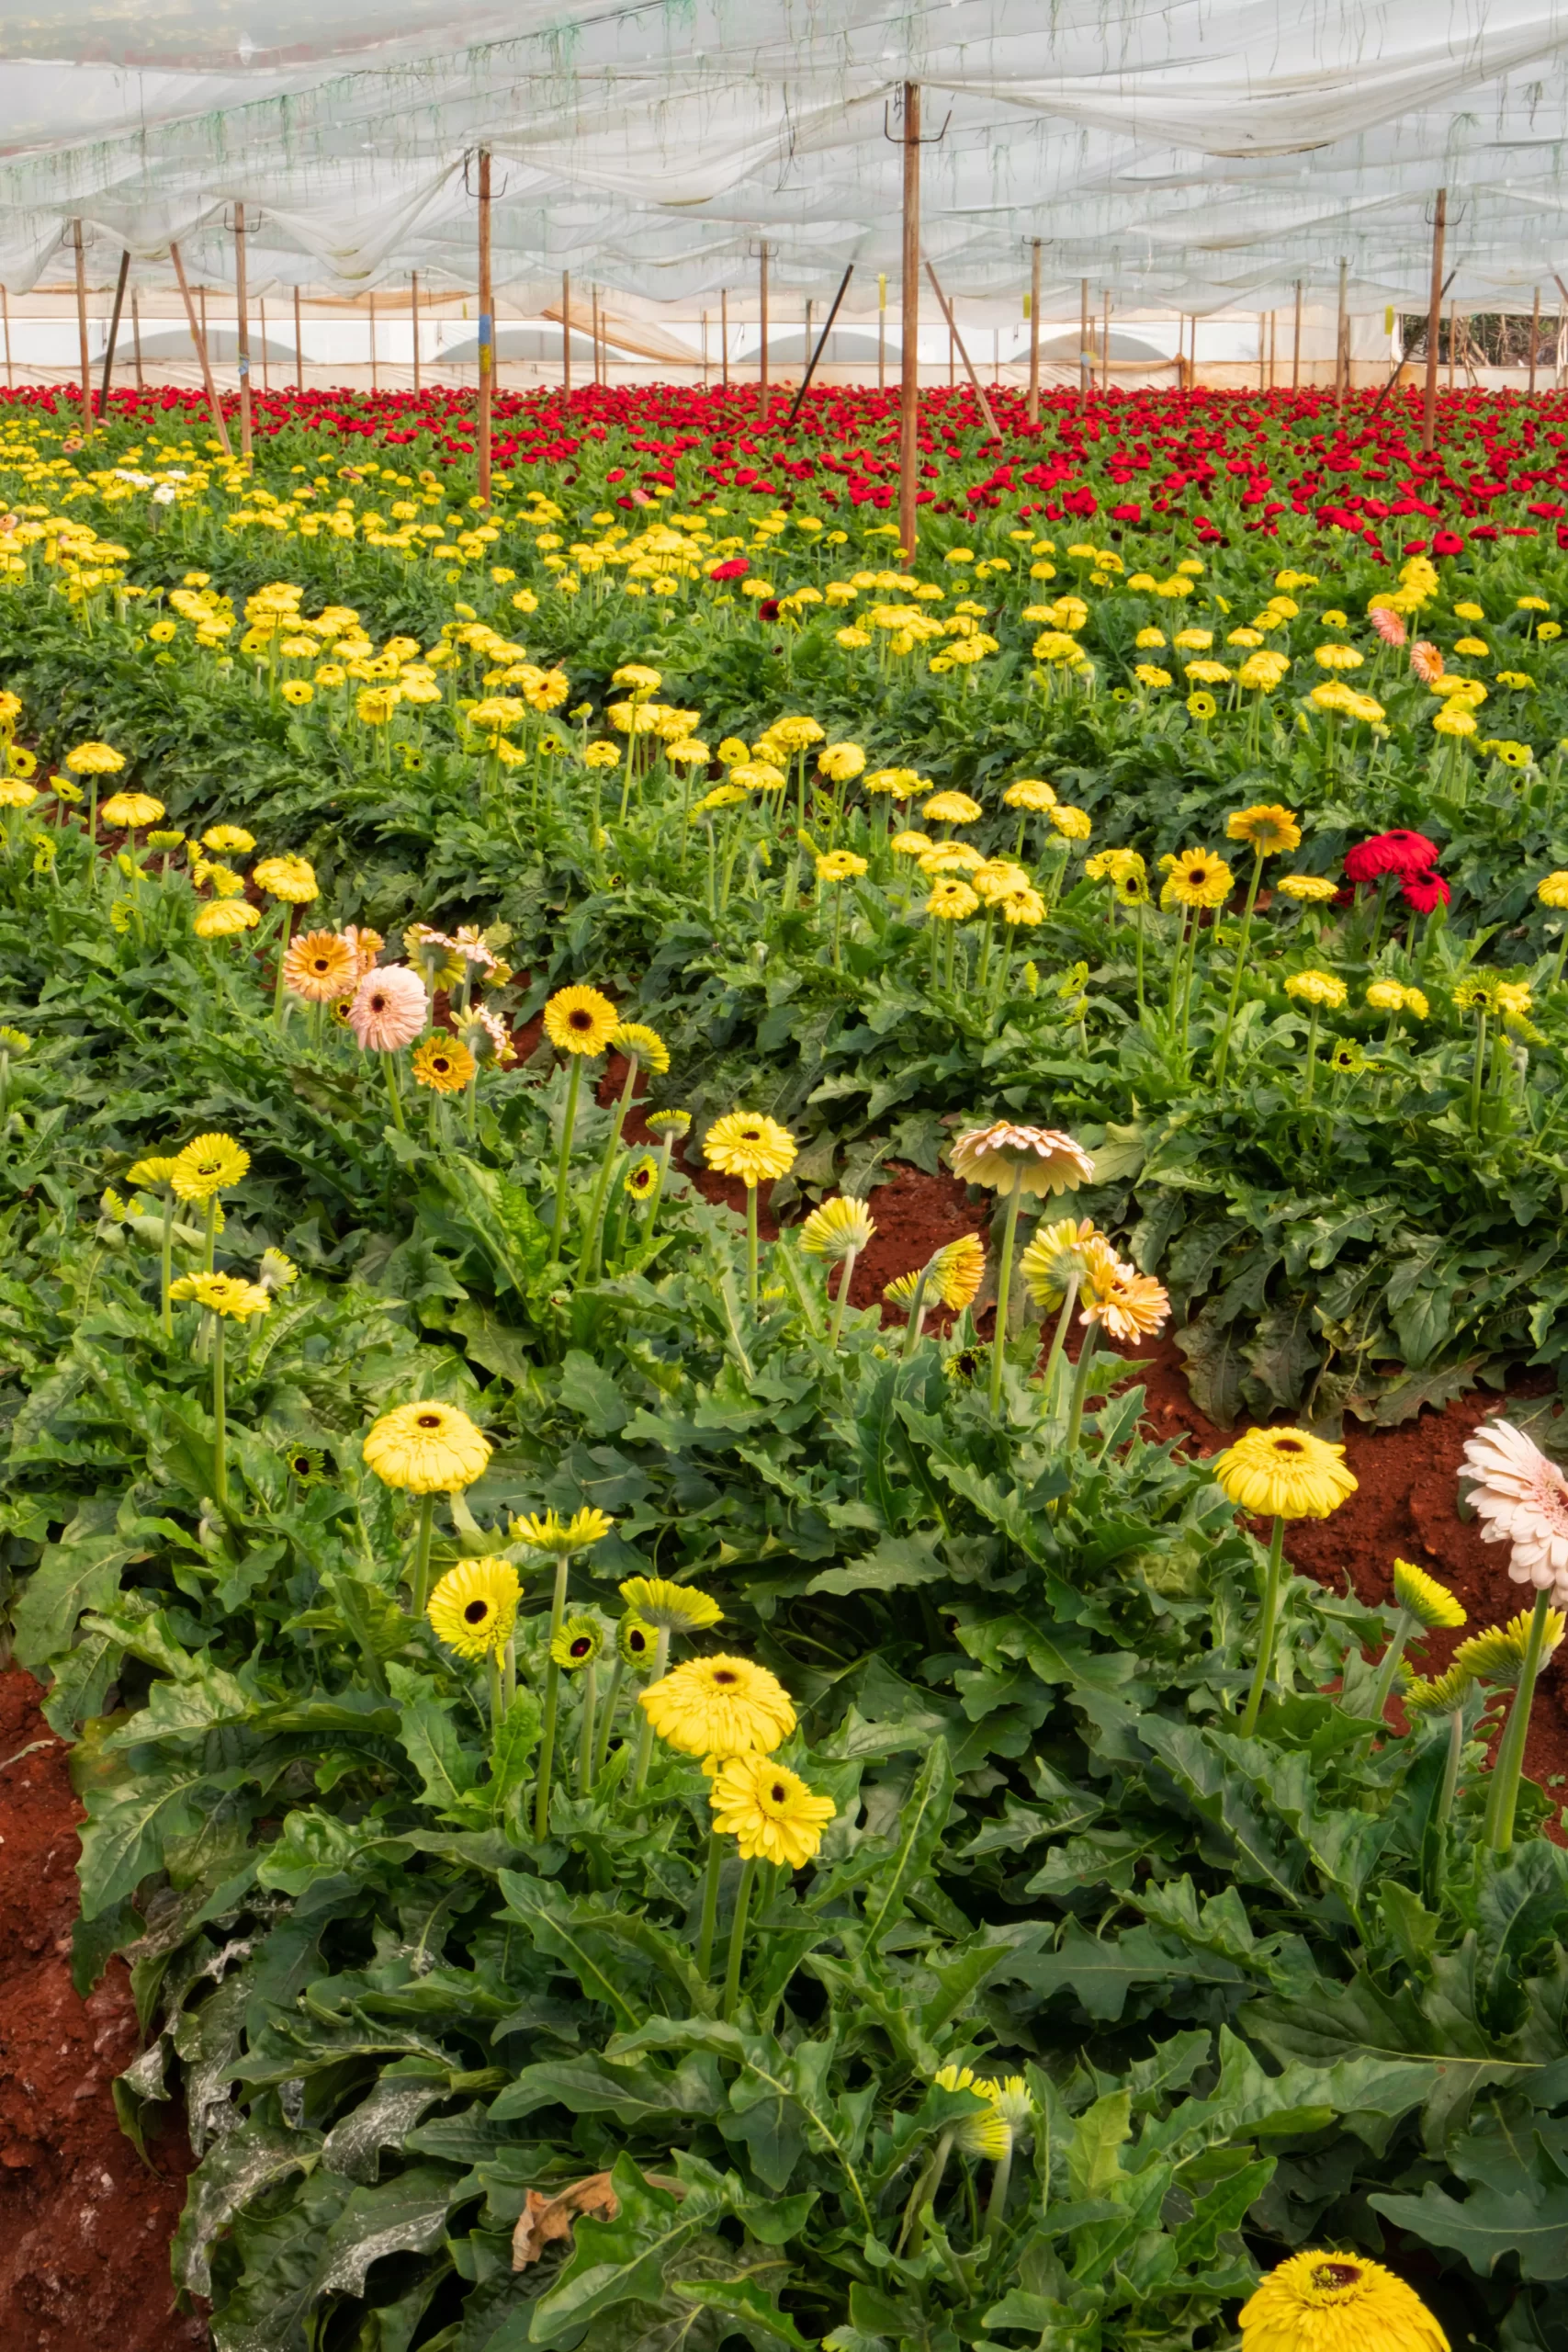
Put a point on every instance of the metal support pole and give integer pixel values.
(1262, 351)
(267, 378)
(882, 330)
(1535, 336)
(954, 337)
(566, 332)
(413, 310)
(114, 331)
(136, 336)
(375, 378)
(763, 347)
(1434, 323)
(82, 331)
(198, 336)
(1297, 346)
(596, 344)
(486, 328)
(1105, 352)
(724, 336)
(1034, 332)
(1084, 376)
(1341, 339)
(1453, 339)
(910, 327)
(300, 351)
(242, 333)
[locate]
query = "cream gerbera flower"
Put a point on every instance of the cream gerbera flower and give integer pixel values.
(1521, 1498)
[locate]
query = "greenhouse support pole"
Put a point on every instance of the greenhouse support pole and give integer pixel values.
(762, 346)
(375, 378)
(724, 336)
(243, 333)
(1434, 325)
(114, 331)
(594, 324)
(413, 316)
(1535, 336)
(5, 314)
(266, 380)
(954, 337)
(882, 330)
(596, 344)
(566, 332)
(1296, 345)
(1453, 338)
(910, 328)
(487, 327)
(82, 331)
(300, 351)
(1105, 352)
(1262, 351)
(136, 336)
(1341, 339)
(1034, 332)
(818, 349)
(1084, 377)
(198, 336)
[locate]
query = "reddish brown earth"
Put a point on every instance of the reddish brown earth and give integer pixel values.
(84, 2225)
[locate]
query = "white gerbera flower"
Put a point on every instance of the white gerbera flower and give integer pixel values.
(1521, 1498)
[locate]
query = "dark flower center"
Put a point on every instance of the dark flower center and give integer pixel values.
(378, 1003)
(428, 1422)
(778, 1792)
(580, 1647)
(1336, 2276)
(580, 1021)
(1288, 1445)
(724, 1677)
(752, 1134)
(638, 1642)
(475, 1612)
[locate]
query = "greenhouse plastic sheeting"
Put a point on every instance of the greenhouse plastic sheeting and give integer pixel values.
(1206, 155)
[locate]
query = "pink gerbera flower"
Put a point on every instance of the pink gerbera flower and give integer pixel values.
(388, 1009)
(1521, 1498)
(1427, 661)
(1388, 626)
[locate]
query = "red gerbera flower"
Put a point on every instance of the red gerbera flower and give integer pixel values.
(1399, 854)
(1424, 891)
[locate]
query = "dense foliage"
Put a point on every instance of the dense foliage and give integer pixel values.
(466, 2061)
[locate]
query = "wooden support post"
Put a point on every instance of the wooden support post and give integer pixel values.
(486, 328)
(1273, 347)
(299, 350)
(954, 337)
(82, 330)
(1453, 339)
(1034, 332)
(5, 314)
(762, 346)
(1434, 323)
(413, 319)
(375, 378)
(1262, 351)
(267, 376)
(136, 336)
(821, 346)
(1297, 346)
(566, 332)
(198, 336)
(114, 331)
(724, 336)
(1084, 376)
(596, 344)
(882, 330)
(1105, 351)
(909, 329)
(952, 353)
(1535, 336)
(805, 348)
(242, 333)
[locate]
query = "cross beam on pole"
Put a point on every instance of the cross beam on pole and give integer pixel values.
(114, 329)
(985, 409)
(198, 337)
(820, 347)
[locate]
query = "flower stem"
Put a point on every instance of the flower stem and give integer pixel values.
(607, 1717)
(588, 1260)
(585, 1737)
(552, 1705)
(738, 1941)
(1501, 1802)
(1240, 965)
(421, 1580)
(283, 940)
(1389, 1666)
(1311, 1057)
(995, 2204)
(923, 2194)
(388, 1063)
(211, 1247)
(168, 1263)
(710, 1904)
(1478, 1071)
(219, 1419)
(1272, 1582)
(497, 1704)
(645, 1737)
(751, 1247)
(1436, 1853)
(563, 1157)
(1059, 1338)
(1004, 1285)
(1080, 1383)
(843, 1300)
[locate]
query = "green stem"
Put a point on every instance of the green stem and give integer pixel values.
(389, 1062)
(1059, 1339)
(995, 2204)
(607, 1716)
(845, 1278)
(1478, 1071)
(168, 1263)
(1389, 1666)
(1004, 1285)
(509, 1673)
(1502, 1798)
(710, 1904)
(738, 1941)
(210, 1246)
(1311, 1057)
(497, 1704)
(1240, 965)
(552, 1704)
(1080, 1383)
(220, 1420)
(1432, 1877)
(923, 2194)
(602, 1184)
(645, 1737)
(917, 1314)
(751, 1247)
(563, 1157)
(421, 1579)
(282, 939)
(585, 1736)
(1273, 1581)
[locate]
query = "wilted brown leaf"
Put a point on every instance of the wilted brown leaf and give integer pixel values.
(544, 2220)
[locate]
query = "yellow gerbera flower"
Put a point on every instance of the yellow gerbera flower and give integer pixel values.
(720, 1706)
(443, 1063)
(1337, 2302)
(208, 1164)
(1284, 1474)
(426, 1448)
(548, 1532)
(94, 759)
(292, 879)
(1324, 989)
(748, 1145)
(1498, 1653)
(951, 900)
(224, 918)
(474, 1606)
(1267, 827)
(223, 1294)
(1430, 1603)
(580, 1021)
(768, 1811)
(640, 1043)
(128, 811)
(951, 808)
(984, 2132)
(1196, 878)
(835, 1228)
(670, 1607)
(228, 840)
(1308, 889)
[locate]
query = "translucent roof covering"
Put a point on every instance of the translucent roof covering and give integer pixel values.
(1202, 155)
